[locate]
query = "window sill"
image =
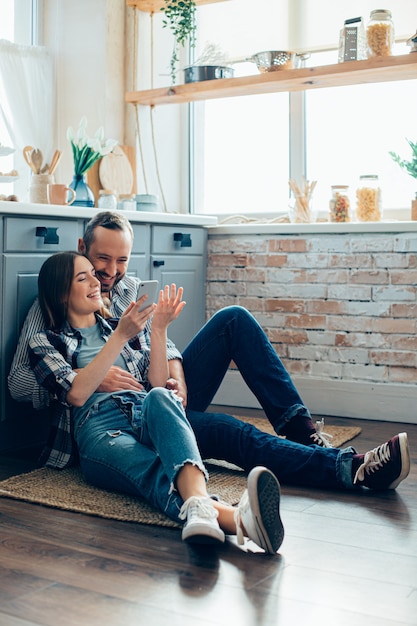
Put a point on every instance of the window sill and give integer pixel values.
(280, 228)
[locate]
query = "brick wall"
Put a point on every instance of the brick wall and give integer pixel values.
(335, 306)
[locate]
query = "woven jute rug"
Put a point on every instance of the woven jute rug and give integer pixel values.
(66, 489)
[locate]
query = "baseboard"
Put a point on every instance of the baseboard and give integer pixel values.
(361, 400)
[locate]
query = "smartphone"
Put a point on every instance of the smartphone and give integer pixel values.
(149, 288)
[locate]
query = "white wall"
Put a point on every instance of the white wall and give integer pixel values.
(87, 40)
(94, 45)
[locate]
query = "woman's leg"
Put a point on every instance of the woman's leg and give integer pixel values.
(117, 453)
(165, 467)
(233, 334)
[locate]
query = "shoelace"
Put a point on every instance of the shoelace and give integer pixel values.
(198, 506)
(320, 437)
(373, 461)
(238, 518)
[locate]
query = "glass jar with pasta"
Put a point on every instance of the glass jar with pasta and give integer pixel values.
(380, 33)
(339, 204)
(368, 199)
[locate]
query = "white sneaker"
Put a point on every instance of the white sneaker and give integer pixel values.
(258, 511)
(201, 525)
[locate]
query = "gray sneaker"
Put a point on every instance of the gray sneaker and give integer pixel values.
(201, 524)
(257, 514)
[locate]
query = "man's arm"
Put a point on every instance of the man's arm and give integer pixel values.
(22, 382)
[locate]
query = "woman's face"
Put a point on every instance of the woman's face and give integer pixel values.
(84, 296)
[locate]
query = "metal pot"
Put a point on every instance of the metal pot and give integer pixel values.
(196, 73)
(275, 60)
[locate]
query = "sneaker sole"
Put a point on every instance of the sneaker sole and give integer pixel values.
(264, 496)
(405, 460)
(203, 535)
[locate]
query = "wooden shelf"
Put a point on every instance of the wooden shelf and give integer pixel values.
(377, 70)
(153, 6)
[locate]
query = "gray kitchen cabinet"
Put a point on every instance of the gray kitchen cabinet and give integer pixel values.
(27, 242)
(178, 255)
(139, 264)
(166, 252)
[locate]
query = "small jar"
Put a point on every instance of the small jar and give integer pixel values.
(127, 202)
(146, 202)
(368, 199)
(339, 204)
(380, 34)
(107, 200)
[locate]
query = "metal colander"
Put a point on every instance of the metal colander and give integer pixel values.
(273, 60)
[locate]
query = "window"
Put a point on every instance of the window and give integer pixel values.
(18, 24)
(244, 150)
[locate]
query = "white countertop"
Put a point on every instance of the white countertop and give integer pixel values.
(211, 222)
(52, 210)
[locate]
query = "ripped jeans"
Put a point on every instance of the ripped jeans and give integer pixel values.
(136, 443)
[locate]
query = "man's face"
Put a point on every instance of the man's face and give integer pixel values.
(109, 253)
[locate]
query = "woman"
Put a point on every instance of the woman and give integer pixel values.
(136, 442)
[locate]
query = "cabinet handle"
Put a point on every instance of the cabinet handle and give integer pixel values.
(184, 239)
(49, 234)
(158, 263)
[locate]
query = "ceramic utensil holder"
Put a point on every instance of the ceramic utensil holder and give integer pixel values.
(38, 190)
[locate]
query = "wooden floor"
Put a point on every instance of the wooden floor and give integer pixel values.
(347, 559)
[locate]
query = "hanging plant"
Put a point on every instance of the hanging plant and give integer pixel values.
(180, 19)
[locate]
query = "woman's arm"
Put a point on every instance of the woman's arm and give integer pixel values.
(167, 310)
(90, 377)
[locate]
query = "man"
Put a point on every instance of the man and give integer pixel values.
(304, 457)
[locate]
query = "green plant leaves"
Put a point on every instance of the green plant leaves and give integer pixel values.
(180, 19)
(409, 166)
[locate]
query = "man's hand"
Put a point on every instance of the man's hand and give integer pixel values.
(179, 388)
(117, 379)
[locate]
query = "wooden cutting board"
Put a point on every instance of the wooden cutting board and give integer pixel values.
(115, 172)
(93, 178)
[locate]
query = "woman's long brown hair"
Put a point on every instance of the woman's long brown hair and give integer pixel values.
(54, 285)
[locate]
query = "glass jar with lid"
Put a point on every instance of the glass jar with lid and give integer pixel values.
(380, 33)
(127, 202)
(107, 200)
(368, 199)
(339, 204)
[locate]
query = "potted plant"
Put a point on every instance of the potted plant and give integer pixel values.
(86, 151)
(411, 168)
(180, 19)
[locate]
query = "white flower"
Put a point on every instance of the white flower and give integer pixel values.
(86, 151)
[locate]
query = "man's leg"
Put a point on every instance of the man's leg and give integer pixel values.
(234, 334)
(221, 436)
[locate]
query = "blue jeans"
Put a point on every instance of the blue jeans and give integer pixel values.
(233, 334)
(136, 443)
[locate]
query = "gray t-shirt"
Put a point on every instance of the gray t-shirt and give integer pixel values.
(92, 343)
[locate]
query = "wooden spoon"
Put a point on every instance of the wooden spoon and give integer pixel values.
(27, 151)
(54, 161)
(37, 159)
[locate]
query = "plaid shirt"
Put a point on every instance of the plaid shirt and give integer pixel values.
(23, 383)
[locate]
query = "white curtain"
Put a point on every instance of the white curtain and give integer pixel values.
(27, 99)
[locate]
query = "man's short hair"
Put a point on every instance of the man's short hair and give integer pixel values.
(106, 219)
